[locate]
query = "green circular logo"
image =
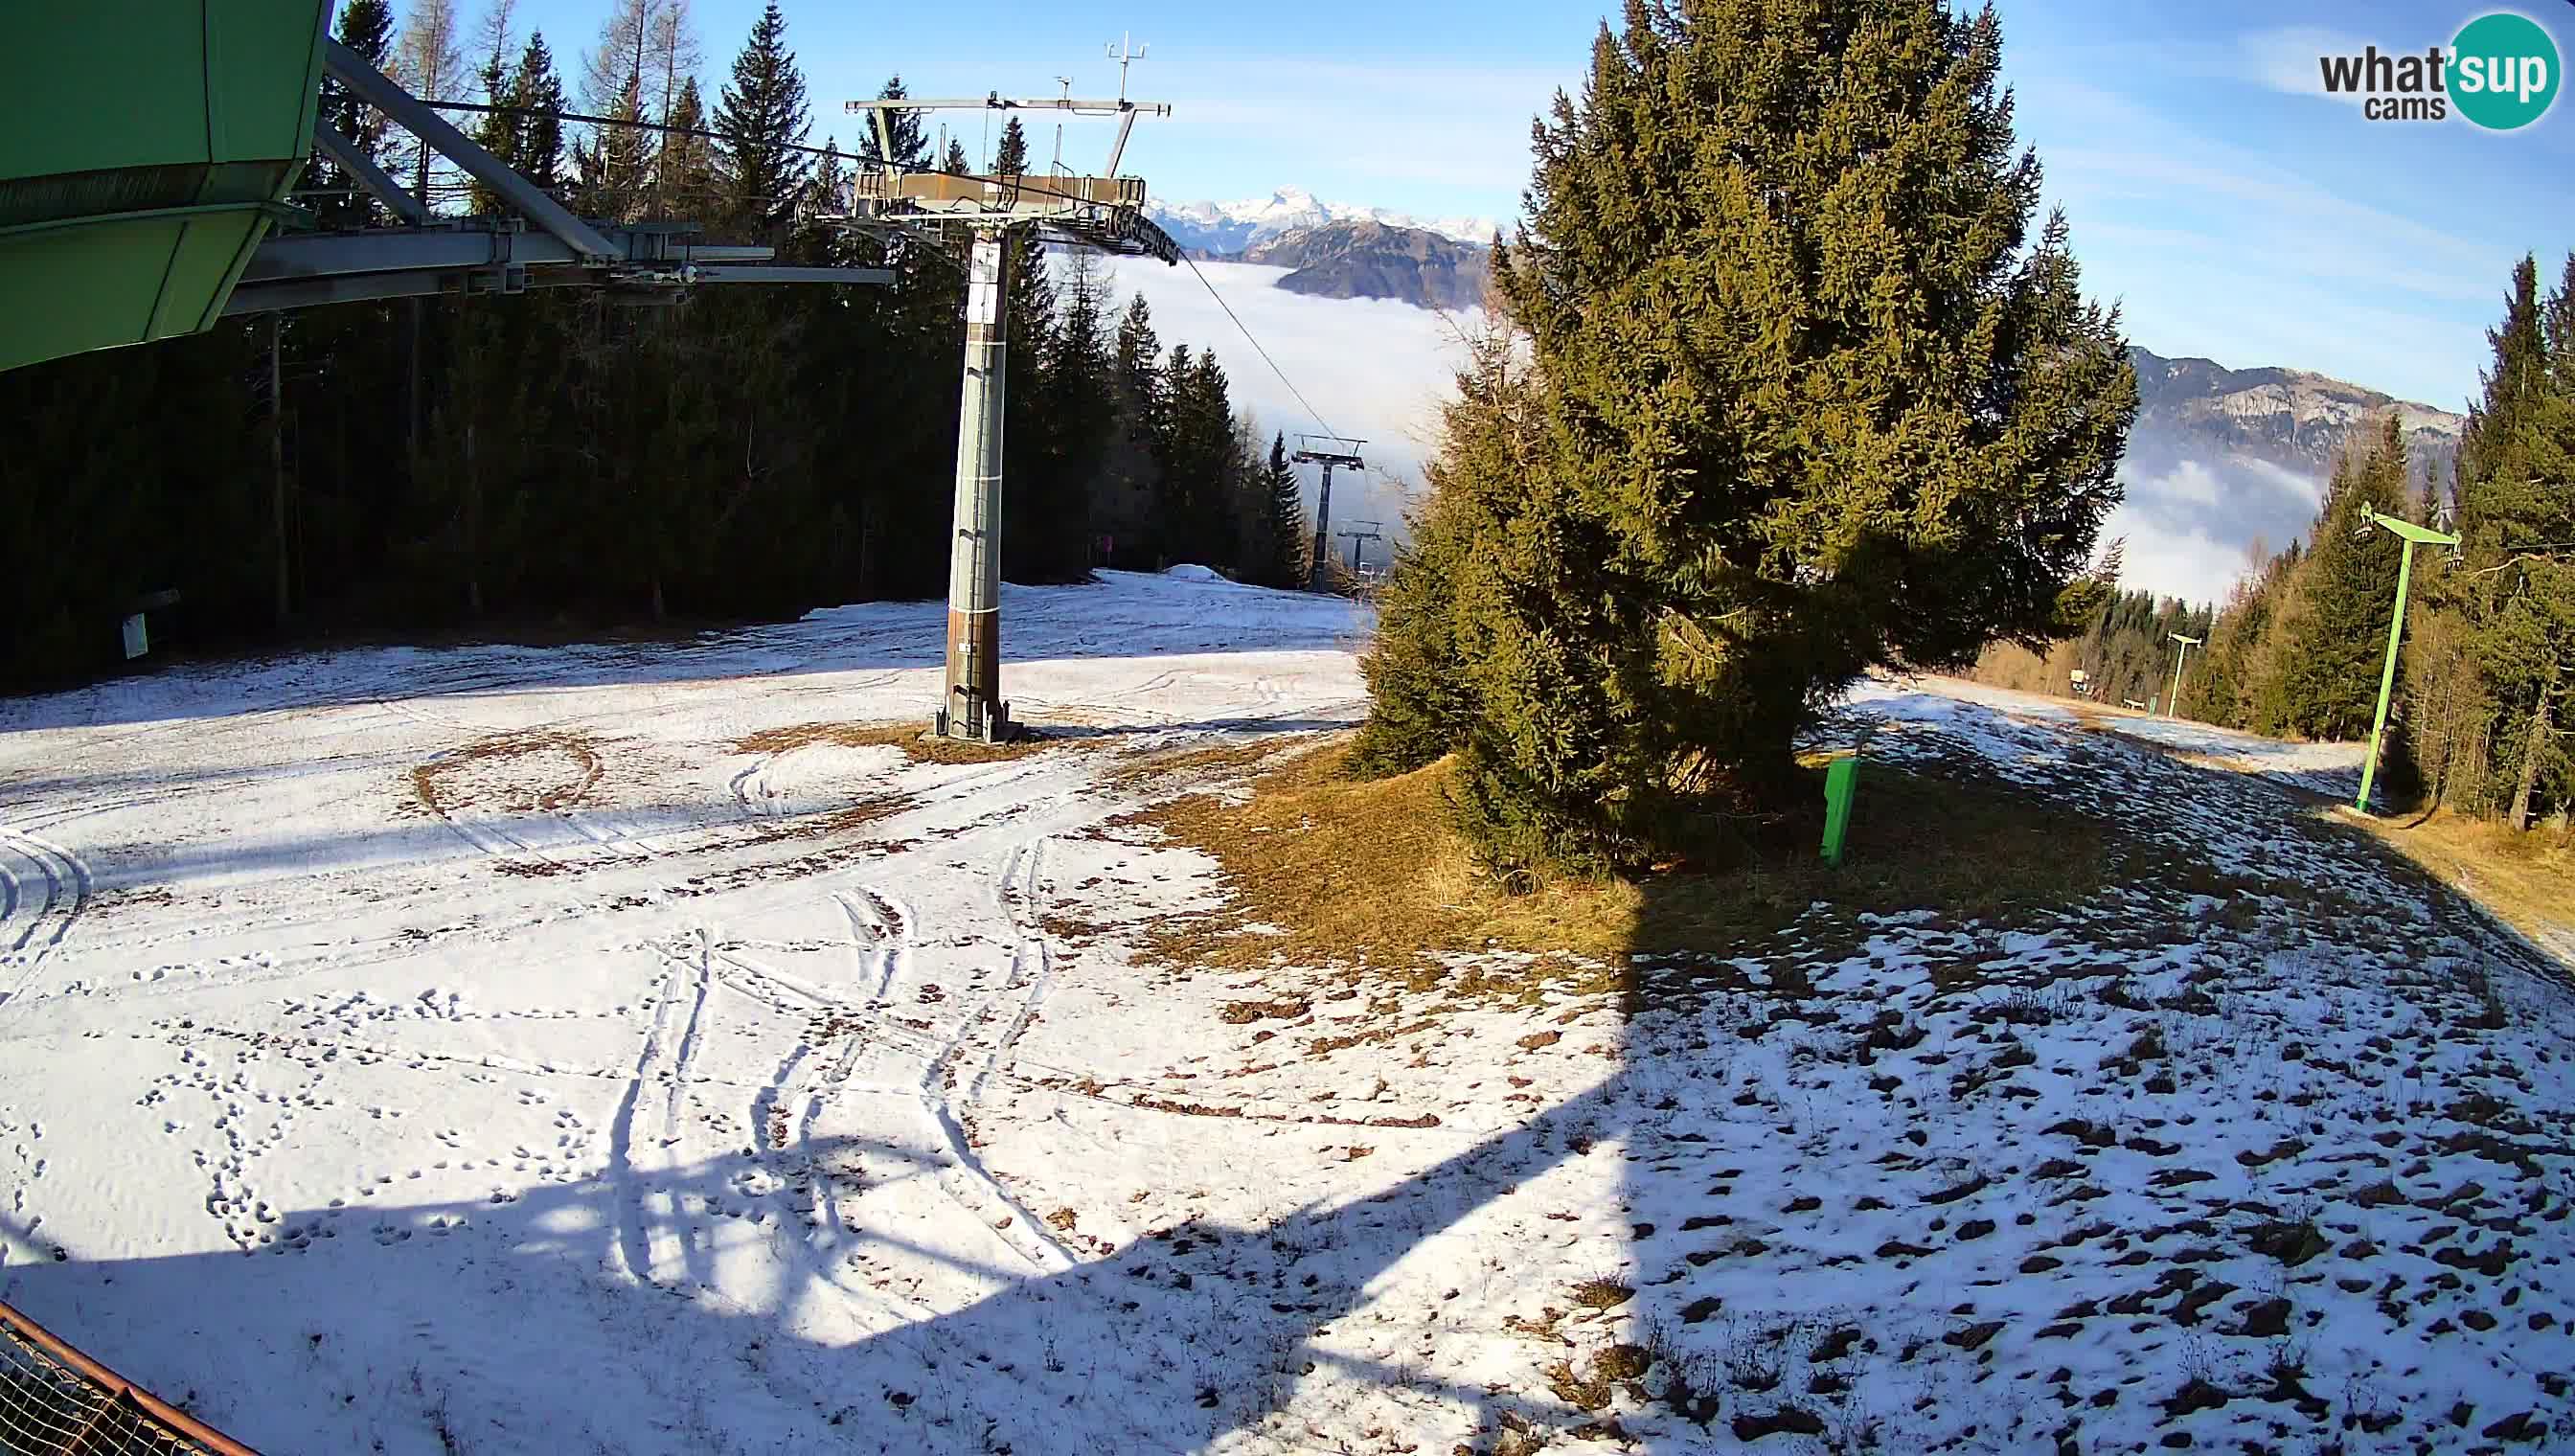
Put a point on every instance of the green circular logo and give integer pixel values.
(2503, 71)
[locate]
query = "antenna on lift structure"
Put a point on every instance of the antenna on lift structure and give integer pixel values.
(1106, 212)
(1124, 57)
(1327, 451)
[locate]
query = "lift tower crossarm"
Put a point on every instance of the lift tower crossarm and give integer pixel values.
(1125, 111)
(998, 102)
(1318, 566)
(377, 90)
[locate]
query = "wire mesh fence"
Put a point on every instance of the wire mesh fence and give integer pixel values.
(55, 1402)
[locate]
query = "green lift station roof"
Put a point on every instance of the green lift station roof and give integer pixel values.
(146, 148)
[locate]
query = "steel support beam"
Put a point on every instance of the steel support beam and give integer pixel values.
(973, 708)
(331, 255)
(1118, 148)
(313, 291)
(358, 164)
(373, 86)
(1320, 566)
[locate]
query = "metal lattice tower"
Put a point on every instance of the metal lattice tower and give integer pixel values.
(1103, 212)
(1335, 449)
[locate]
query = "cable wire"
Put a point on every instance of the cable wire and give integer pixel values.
(1255, 346)
(1023, 183)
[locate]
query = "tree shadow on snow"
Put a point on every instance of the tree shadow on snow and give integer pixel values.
(481, 1325)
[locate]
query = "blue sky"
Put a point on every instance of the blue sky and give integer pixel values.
(2233, 210)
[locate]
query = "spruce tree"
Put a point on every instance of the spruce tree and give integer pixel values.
(684, 173)
(1285, 502)
(1011, 157)
(538, 91)
(956, 164)
(1488, 430)
(762, 118)
(2333, 640)
(366, 27)
(1131, 473)
(1044, 515)
(1816, 401)
(827, 196)
(2517, 515)
(1082, 395)
(911, 144)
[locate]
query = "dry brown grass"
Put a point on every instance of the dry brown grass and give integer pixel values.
(1370, 871)
(908, 737)
(1217, 761)
(2527, 878)
(478, 775)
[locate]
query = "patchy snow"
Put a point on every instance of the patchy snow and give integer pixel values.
(479, 1049)
(2329, 770)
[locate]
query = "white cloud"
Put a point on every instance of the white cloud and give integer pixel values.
(2190, 562)
(2194, 526)
(2285, 59)
(1381, 370)
(1371, 368)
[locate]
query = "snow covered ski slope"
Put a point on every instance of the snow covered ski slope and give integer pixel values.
(616, 1048)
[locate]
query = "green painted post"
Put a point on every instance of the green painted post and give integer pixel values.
(1842, 781)
(2412, 534)
(2386, 677)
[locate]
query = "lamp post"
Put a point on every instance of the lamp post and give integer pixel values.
(2412, 534)
(2187, 643)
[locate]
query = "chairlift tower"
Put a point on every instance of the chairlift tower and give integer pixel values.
(2413, 536)
(1333, 450)
(1106, 212)
(1360, 534)
(2172, 704)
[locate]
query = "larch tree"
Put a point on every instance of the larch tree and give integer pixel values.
(497, 130)
(428, 63)
(1814, 398)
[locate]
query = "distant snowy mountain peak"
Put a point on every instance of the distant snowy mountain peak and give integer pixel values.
(1236, 227)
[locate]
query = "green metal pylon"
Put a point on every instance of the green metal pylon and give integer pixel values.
(2172, 704)
(2413, 535)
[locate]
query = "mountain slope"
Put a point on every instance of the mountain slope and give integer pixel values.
(2287, 416)
(2225, 462)
(1373, 259)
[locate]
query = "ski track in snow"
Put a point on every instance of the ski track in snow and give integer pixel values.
(39, 904)
(694, 1097)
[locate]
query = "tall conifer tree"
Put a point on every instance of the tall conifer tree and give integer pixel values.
(761, 117)
(1816, 399)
